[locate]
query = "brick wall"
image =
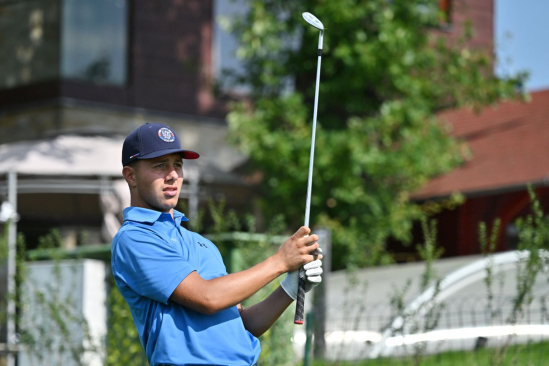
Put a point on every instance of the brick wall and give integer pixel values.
(169, 64)
(170, 58)
(480, 14)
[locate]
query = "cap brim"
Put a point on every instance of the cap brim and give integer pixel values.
(186, 154)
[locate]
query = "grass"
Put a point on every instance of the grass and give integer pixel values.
(519, 355)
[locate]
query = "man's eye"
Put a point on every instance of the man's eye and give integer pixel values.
(179, 165)
(159, 165)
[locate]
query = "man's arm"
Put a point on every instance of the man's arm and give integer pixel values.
(260, 317)
(211, 296)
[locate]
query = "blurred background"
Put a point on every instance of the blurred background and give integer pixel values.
(430, 179)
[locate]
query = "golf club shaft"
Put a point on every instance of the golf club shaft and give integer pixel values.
(312, 157)
(300, 303)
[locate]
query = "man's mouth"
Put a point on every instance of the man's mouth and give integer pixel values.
(170, 191)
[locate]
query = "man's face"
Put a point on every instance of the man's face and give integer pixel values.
(156, 183)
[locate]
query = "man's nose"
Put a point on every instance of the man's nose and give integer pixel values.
(172, 175)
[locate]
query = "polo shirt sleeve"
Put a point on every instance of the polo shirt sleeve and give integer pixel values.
(149, 265)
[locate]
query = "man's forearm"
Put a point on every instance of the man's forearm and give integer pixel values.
(210, 296)
(259, 318)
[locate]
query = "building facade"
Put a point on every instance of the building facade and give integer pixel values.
(101, 68)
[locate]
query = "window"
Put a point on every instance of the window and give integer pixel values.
(29, 42)
(225, 44)
(445, 12)
(44, 40)
(94, 38)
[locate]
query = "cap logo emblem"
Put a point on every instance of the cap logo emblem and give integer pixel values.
(166, 135)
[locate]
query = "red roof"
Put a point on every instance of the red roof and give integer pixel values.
(509, 145)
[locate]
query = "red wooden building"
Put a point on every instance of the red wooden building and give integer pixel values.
(509, 146)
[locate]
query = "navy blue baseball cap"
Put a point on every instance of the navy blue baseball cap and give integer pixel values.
(152, 140)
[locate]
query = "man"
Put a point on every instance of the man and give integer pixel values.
(184, 304)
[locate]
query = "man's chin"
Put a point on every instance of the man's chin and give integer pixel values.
(165, 206)
(168, 207)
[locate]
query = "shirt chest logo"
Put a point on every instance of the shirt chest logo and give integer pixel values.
(202, 244)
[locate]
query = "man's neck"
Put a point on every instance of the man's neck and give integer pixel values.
(144, 205)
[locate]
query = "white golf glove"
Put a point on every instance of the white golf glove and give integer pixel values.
(313, 270)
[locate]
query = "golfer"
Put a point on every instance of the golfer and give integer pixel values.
(185, 305)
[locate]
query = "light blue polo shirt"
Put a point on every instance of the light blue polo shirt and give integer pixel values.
(151, 254)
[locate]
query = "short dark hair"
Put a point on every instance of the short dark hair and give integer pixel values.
(133, 164)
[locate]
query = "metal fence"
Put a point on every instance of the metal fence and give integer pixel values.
(456, 325)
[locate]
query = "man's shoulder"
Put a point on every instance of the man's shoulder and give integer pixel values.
(132, 227)
(130, 230)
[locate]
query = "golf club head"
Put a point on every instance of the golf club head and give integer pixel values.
(312, 20)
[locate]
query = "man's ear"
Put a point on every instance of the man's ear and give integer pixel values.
(129, 174)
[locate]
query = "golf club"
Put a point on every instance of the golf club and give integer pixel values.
(300, 303)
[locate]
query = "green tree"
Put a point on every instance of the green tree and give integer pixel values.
(386, 73)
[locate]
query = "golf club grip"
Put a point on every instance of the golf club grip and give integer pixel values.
(300, 302)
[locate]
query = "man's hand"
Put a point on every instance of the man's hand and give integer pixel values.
(313, 270)
(298, 250)
(309, 252)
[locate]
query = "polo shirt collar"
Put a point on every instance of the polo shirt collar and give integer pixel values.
(179, 216)
(145, 215)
